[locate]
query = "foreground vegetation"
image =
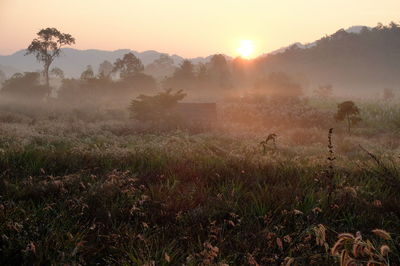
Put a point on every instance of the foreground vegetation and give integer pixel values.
(85, 188)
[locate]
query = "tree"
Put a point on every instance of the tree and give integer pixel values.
(185, 71)
(24, 86)
(161, 67)
(348, 111)
(47, 46)
(57, 72)
(219, 71)
(128, 66)
(105, 69)
(157, 108)
(183, 77)
(202, 73)
(164, 61)
(88, 73)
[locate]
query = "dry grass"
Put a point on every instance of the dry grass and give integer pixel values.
(93, 188)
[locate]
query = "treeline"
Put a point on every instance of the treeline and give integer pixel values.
(126, 77)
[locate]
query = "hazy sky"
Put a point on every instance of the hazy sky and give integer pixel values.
(189, 28)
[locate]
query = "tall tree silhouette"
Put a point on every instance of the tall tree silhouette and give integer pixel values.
(128, 66)
(185, 71)
(88, 73)
(57, 72)
(161, 67)
(219, 71)
(183, 78)
(47, 46)
(105, 69)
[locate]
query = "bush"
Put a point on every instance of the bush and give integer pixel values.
(158, 108)
(348, 111)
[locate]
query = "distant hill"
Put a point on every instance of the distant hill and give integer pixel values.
(73, 61)
(352, 29)
(359, 58)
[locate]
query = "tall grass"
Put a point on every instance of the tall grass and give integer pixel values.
(92, 195)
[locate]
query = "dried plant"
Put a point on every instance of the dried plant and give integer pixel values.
(271, 137)
(320, 236)
(329, 173)
(354, 250)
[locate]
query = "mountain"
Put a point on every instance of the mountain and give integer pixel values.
(352, 29)
(296, 44)
(359, 58)
(73, 61)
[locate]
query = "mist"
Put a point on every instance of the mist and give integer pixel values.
(145, 158)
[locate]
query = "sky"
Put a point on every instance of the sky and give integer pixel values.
(189, 28)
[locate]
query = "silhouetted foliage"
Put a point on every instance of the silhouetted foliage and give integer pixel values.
(47, 46)
(211, 76)
(348, 111)
(219, 71)
(88, 73)
(157, 108)
(128, 66)
(202, 73)
(164, 61)
(90, 89)
(183, 77)
(185, 71)
(161, 67)
(105, 69)
(57, 72)
(24, 86)
(102, 88)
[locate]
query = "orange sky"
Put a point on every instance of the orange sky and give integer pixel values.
(189, 28)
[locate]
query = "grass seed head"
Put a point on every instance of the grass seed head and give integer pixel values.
(382, 233)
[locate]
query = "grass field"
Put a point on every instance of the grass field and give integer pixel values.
(96, 188)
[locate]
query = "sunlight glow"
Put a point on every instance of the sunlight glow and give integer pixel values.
(246, 48)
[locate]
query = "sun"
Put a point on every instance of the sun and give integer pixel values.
(246, 49)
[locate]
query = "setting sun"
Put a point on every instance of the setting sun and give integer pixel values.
(246, 48)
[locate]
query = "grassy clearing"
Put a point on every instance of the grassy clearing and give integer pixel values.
(80, 192)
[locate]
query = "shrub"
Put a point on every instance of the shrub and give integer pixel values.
(157, 108)
(348, 111)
